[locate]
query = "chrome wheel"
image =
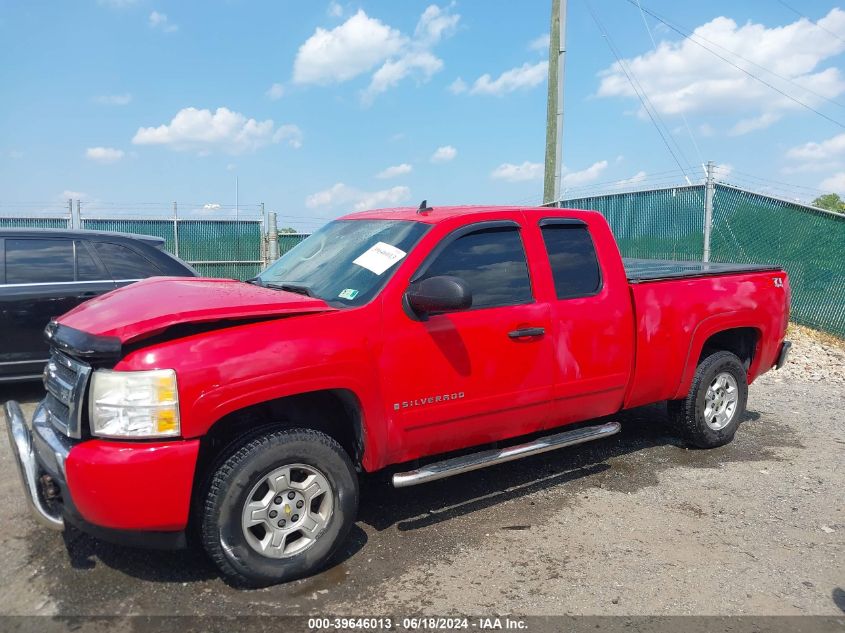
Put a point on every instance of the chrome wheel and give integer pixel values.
(720, 401)
(287, 510)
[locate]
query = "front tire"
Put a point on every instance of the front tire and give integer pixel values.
(710, 414)
(279, 507)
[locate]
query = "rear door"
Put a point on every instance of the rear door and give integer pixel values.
(593, 322)
(477, 375)
(44, 278)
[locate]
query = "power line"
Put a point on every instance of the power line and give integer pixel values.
(740, 68)
(686, 32)
(641, 96)
(683, 116)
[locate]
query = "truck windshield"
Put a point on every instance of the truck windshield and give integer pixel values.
(346, 262)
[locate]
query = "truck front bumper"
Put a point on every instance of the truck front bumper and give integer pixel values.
(131, 493)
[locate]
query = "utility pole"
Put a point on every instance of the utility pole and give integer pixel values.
(709, 191)
(70, 213)
(554, 103)
(76, 221)
(272, 237)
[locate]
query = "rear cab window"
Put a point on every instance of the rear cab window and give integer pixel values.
(123, 263)
(572, 256)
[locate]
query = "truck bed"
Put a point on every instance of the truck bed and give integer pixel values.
(645, 270)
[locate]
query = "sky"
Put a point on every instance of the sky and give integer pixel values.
(323, 107)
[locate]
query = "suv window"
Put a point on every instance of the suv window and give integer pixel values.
(572, 256)
(86, 268)
(124, 263)
(492, 262)
(31, 261)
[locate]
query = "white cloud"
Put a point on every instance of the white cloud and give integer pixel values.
(395, 170)
(591, 173)
(518, 173)
(459, 86)
(231, 167)
(104, 154)
(636, 179)
(681, 77)
(394, 71)
(833, 147)
(355, 47)
(744, 126)
(275, 92)
(75, 195)
(444, 154)
(341, 194)
(114, 100)
(161, 22)
(834, 183)
(525, 76)
(205, 131)
(290, 134)
(334, 10)
(540, 43)
(367, 45)
(211, 206)
(435, 24)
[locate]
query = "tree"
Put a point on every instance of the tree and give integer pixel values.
(288, 229)
(830, 202)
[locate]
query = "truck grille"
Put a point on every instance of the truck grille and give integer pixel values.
(65, 379)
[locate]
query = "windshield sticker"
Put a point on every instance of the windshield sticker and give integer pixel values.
(348, 293)
(379, 257)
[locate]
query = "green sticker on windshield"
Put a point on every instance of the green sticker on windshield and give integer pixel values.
(348, 293)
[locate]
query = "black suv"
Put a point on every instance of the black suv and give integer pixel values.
(46, 272)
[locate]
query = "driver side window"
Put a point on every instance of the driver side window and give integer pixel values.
(492, 262)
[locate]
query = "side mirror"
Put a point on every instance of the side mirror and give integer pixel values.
(437, 295)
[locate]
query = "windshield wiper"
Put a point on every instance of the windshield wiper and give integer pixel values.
(300, 289)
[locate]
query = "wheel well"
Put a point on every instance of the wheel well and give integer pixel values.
(335, 412)
(741, 341)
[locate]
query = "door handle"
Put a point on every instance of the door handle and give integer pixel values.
(527, 332)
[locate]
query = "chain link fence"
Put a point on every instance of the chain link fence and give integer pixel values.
(664, 223)
(747, 228)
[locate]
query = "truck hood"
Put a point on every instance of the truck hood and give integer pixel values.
(151, 306)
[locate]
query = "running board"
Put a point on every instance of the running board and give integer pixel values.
(475, 461)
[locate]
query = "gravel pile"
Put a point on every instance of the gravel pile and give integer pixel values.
(815, 357)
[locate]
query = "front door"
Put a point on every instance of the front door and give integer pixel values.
(473, 376)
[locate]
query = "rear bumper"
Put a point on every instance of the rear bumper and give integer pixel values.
(130, 493)
(783, 354)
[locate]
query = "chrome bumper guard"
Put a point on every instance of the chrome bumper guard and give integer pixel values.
(20, 437)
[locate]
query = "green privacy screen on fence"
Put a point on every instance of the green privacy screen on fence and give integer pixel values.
(33, 223)
(216, 248)
(747, 228)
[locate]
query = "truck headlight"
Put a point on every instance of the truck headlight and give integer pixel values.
(134, 404)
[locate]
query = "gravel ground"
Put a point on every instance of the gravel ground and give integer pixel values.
(635, 524)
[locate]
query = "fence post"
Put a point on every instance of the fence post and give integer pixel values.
(263, 244)
(273, 237)
(175, 229)
(709, 190)
(76, 220)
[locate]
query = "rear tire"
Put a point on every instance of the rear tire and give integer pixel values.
(279, 507)
(710, 414)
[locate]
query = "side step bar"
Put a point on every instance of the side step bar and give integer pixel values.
(475, 461)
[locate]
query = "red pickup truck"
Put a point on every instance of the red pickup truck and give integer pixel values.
(244, 412)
